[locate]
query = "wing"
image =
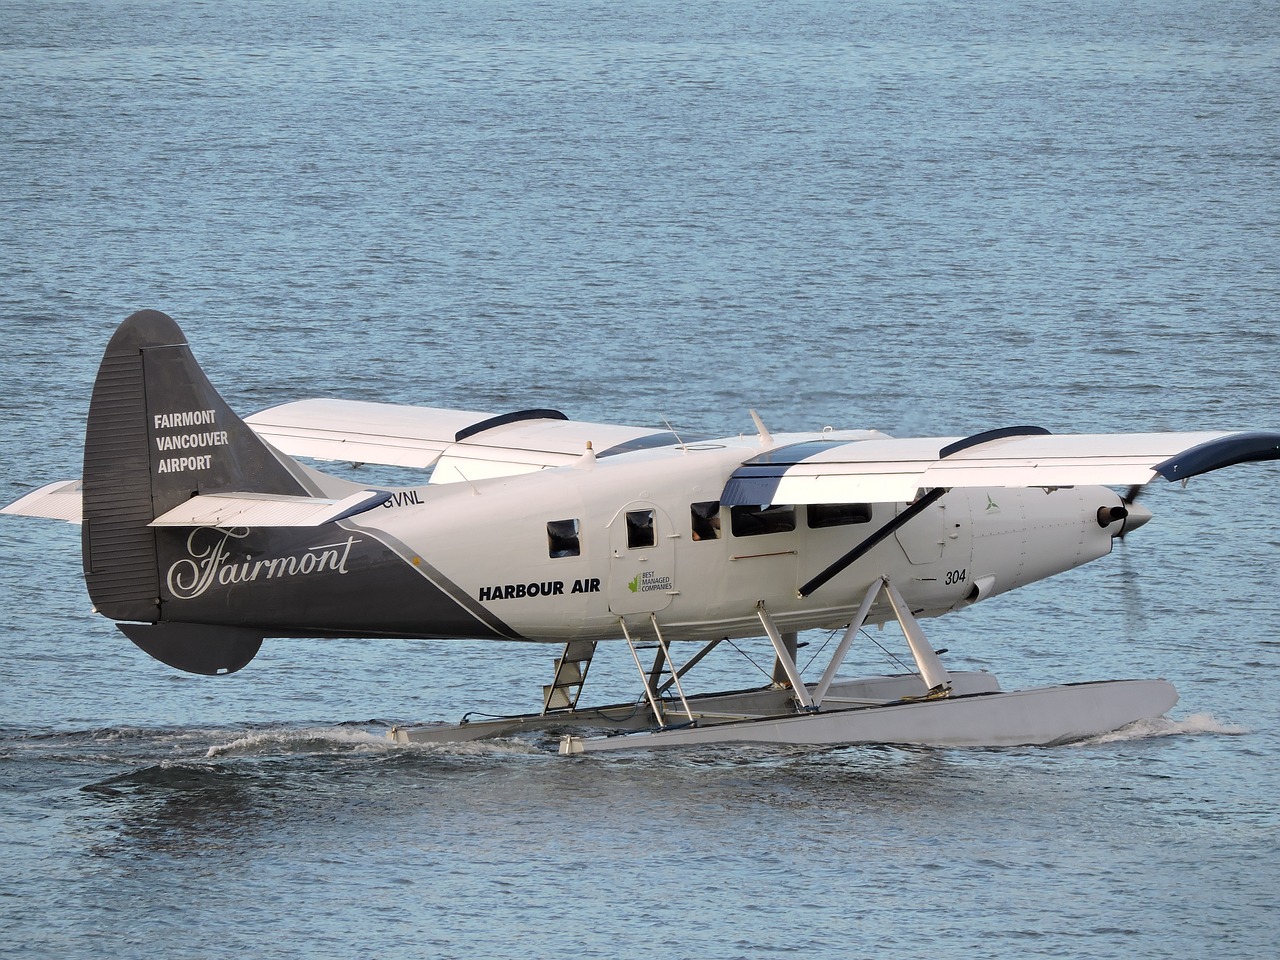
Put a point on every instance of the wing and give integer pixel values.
(454, 444)
(890, 470)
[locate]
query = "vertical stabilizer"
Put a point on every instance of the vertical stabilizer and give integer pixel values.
(200, 596)
(158, 433)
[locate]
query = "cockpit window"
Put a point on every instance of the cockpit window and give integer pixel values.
(640, 530)
(838, 514)
(757, 521)
(562, 538)
(705, 520)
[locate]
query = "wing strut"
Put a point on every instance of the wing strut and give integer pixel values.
(888, 529)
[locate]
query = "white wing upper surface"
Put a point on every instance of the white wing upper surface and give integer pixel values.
(455, 444)
(890, 470)
(361, 432)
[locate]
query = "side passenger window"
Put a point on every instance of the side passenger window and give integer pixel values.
(562, 538)
(838, 514)
(705, 520)
(757, 521)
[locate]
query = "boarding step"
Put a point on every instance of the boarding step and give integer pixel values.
(571, 673)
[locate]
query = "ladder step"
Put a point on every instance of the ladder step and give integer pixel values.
(571, 673)
(556, 698)
(579, 650)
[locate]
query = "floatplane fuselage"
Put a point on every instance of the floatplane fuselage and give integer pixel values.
(204, 533)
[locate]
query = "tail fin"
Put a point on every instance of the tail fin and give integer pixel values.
(201, 595)
(158, 432)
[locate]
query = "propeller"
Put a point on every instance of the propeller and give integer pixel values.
(1129, 511)
(1135, 515)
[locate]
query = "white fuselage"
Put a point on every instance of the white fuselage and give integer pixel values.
(645, 546)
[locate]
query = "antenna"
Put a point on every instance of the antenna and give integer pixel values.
(766, 438)
(680, 443)
(474, 491)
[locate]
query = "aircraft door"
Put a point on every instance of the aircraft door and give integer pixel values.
(922, 538)
(642, 560)
(940, 550)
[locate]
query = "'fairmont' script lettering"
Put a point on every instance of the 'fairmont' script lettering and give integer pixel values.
(209, 561)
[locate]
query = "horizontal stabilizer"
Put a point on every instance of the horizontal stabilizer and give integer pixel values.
(55, 501)
(266, 510)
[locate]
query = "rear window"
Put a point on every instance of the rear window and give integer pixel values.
(838, 514)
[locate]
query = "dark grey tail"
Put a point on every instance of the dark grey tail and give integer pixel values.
(158, 433)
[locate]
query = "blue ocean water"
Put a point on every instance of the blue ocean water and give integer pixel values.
(928, 218)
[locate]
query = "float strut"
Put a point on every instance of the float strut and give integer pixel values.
(932, 671)
(837, 658)
(788, 662)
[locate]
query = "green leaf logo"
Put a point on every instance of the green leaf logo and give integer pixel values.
(634, 584)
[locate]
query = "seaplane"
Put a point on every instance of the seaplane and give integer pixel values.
(204, 533)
